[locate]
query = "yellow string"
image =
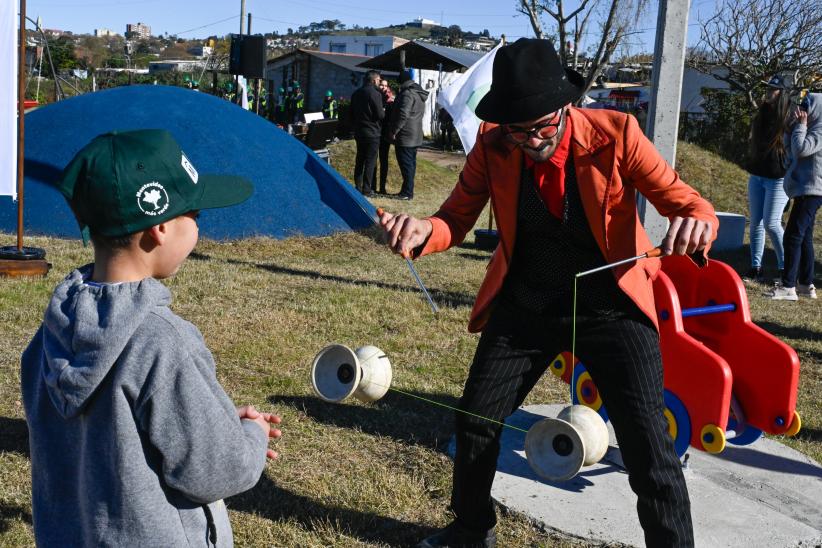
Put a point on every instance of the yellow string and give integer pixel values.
(446, 406)
(573, 337)
(458, 410)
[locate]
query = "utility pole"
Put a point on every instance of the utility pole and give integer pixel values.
(663, 113)
(242, 16)
(18, 260)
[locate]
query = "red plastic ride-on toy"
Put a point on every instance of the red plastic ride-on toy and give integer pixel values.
(726, 379)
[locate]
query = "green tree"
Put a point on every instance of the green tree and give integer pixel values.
(62, 55)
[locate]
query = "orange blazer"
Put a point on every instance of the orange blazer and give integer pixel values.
(613, 161)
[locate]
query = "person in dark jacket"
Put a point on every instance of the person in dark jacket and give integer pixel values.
(385, 140)
(280, 109)
(446, 123)
(289, 105)
(767, 165)
(405, 130)
(366, 114)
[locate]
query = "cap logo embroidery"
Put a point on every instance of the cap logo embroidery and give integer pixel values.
(189, 169)
(155, 196)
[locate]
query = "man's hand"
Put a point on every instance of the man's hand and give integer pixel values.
(264, 421)
(686, 235)
(405, 232)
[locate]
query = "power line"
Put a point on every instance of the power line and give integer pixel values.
(315, 7)
(258, 18)
(93, 4)
(350, 6)
(206, 25)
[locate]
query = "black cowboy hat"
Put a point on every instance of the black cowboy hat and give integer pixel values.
(528, 82)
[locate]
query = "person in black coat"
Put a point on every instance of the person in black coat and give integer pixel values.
(385, 141)
(366, 114)
(405, 130)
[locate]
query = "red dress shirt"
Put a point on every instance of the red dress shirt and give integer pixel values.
(549, 177)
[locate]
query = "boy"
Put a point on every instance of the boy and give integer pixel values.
(133, 441)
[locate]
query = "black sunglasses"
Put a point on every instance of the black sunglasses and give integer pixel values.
(544, 131)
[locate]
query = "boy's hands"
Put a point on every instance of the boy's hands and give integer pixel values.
(264, 420)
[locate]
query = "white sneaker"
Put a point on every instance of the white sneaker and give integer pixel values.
(806, 290)
(780, 293)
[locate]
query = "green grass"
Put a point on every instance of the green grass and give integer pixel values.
(350, 474)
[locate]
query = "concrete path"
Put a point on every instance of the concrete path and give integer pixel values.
(764, 494)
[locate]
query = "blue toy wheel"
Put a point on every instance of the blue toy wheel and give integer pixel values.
(748, 435)
(585, 392)
(679, 422)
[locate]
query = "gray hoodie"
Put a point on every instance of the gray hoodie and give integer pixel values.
(133, 441)
(804, 176)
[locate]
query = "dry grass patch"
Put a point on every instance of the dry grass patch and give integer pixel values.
(350, 474)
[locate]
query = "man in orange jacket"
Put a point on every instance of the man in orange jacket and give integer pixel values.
(562, 183)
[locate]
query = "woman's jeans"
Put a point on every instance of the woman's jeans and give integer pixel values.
(766, 199)
(799, 257)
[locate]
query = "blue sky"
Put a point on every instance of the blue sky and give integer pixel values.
(200, 18)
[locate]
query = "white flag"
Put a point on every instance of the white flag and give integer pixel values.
(8, 99)
(241, 89)
(460, 98)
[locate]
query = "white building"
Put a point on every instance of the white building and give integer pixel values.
(693, 83)
(201, 52)
(104, 32)
(138, 30)
(176, 65)
(370, 46)
(422, 23)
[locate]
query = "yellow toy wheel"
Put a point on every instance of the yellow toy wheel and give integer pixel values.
(796, 425)
(672, 429)
(559, 366)
(713, 438)
(587, 393)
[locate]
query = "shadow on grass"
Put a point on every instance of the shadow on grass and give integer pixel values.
(790, 332)
(269, 501)
(397, 416)
(474, 256)
(810, 434)
(9, 513)
(450, 299)
(795, 333)
(14, 436)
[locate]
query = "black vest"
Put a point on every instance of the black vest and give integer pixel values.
(549, 252)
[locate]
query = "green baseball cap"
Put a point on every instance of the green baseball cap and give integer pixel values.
(124, 182)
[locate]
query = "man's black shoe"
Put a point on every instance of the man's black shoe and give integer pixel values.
(754, 275)
(369, 193)
(402, 196)
(456, 536)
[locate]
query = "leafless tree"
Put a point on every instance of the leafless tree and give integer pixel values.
(617, 19)
(746, 42)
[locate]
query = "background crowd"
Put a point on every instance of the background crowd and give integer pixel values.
(380, 119)
(785, 163)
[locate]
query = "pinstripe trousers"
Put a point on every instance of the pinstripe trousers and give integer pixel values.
(621, 352)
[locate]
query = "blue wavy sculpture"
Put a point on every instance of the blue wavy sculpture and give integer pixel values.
(295, 191)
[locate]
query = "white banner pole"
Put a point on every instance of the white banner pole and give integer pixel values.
(8, 100)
